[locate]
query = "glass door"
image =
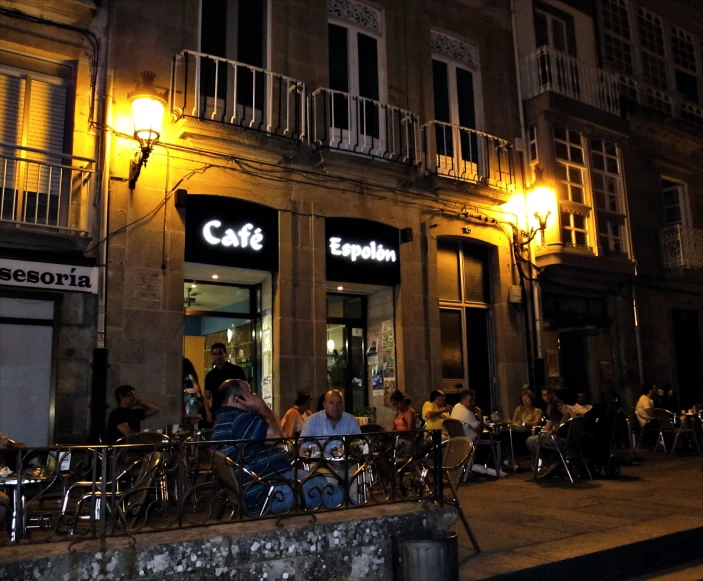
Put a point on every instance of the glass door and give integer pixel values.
(346, 349)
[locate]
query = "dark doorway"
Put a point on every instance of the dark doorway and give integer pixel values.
(573, 363)
(687, 341)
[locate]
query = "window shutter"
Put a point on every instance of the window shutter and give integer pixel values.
(11, 108)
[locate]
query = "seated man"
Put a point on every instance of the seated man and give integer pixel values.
(557, 413)
(645, 404)
(244, 415)
(333, 421)
(126, 419)
(581, 408)
(435, 411)
(470, 415)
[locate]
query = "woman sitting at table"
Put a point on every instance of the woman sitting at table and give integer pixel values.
(294, 418)
(527, 415)
(405, 416)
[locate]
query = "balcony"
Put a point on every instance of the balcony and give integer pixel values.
(681, 247)
(549, 70)
(666, 102)
(468, 155)
(44, 189)
(233, 93)
(364, 126)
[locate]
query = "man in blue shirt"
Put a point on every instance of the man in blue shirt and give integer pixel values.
(244, 416)
(333, 421)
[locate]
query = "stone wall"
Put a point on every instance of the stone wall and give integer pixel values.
(352, 545)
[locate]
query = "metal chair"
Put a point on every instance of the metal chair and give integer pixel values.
(454, 428)
(455, 455)
(681, 430)
(567, 442)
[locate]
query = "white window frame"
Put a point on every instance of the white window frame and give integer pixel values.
(550, 39)
(642, 49)
(619, 38)
(344, 137)
(615, 233)
(695, 72)
(682, 189)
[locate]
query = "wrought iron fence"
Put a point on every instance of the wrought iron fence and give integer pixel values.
(548, 69)
(467, 154)
(365, 126)
(86, 492)
(45, 188)
(681, 246)
(204, 86)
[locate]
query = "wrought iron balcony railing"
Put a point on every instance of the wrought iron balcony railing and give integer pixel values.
(365, 126)
(204, 86)
(548, 69)
(468, 155)
(45, 189)
(681, 247)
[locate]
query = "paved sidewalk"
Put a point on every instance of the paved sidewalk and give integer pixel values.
(521, 524)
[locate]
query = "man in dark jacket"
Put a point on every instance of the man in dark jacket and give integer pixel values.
(222, 370)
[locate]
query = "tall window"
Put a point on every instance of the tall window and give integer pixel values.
(571, 186)
(234, 30)
(652, 53)
(685, 69)
(675, 203)
(555, 30)
(454, 86)
(354, 48)
(606, 177)
(465, 317)
(616, 35)
(33, 120)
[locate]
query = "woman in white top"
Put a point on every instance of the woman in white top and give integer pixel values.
(293, 420)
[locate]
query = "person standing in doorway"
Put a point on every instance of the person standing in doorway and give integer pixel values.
(222, 370)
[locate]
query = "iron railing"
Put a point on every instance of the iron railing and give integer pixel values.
(364, 126)
(548, 69)
(45, 188)
(86, 492)
(681, 246)
(467, 154)
(208, 87)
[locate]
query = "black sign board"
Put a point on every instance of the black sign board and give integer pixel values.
(231, 232)
(362, 251)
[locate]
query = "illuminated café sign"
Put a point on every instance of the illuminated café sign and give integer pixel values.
(45, 275)
(362, 251)
(231, 232)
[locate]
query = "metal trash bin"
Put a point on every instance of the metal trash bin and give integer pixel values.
(426, 556)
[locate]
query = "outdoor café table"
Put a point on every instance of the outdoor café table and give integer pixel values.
(334, 461)
(491, 433)
(687, 420)
(18, 498)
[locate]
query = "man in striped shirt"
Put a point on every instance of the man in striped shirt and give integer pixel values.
(243, 422)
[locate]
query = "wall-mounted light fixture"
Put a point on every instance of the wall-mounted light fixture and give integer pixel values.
(540, 200)
(148, 114)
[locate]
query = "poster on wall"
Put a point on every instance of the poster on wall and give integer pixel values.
(377, 382)
(552, 362)
(390, 387)
(266, 358)
(387, 338)
(388, 364)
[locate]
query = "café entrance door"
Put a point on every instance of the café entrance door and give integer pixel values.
(346, 349)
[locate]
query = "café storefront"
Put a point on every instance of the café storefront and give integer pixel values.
(362, 260)
(231, 257)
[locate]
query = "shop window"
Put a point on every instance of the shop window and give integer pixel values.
(465, 317)
(617, 38)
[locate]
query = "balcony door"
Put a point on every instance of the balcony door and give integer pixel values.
(354, 114)
(233, 86)
(554, 32)
(33, 132)
(456, 140)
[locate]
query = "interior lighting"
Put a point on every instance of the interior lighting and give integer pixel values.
(340, 288)
(330, 345)
(215, 276)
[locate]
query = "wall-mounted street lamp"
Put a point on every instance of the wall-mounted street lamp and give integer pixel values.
(148, 114)
(540, 200)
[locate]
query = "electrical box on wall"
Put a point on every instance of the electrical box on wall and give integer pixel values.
(515, 295)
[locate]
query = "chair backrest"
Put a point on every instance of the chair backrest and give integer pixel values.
(224, 471)
(575, 428)
(664, 417)
(454, 428)
(146, 438)
(371, 429)
(456, 453)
